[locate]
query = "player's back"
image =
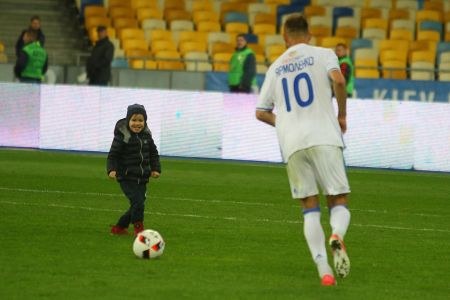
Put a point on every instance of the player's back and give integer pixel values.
(299, 87)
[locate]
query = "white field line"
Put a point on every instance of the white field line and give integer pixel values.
(203, 201)
(216, 218)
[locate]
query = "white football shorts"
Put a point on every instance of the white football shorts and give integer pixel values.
(318, 165)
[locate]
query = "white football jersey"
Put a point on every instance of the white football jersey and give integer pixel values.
(298, 86)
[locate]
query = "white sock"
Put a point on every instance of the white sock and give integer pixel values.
(315, 238)
(339, 220)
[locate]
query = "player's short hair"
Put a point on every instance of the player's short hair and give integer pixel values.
(35, 18)
(32, 34)
(296, 25)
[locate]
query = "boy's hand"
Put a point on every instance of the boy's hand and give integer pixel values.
(112, 174)
(155, 174)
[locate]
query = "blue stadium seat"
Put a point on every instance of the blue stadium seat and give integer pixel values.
(119, 63)
(301, 2)
(341, 12)
(360, 43)
(236, 17)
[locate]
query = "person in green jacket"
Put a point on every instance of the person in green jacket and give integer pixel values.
(346, 67)
(32, 62)
(242, 73)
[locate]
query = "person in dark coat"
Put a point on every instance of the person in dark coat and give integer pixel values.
(35, 24)
(132, 159)
(98, 68)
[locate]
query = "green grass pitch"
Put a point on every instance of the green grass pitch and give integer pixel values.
(231, 231)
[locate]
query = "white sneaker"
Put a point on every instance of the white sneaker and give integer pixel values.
(340, 257)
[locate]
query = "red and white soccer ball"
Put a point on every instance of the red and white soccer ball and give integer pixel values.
(148, 244)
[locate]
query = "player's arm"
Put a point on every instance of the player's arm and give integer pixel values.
(341, 97)
(266, 116)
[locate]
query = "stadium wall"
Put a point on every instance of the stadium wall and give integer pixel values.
(381, 134)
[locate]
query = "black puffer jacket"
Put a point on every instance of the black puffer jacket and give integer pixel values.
(132, 155)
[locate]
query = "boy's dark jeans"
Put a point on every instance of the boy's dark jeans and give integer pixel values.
(136, 194)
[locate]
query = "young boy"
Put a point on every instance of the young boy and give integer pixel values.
(132, 159)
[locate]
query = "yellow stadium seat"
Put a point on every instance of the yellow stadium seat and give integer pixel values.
(95, 11)
(134, 44)
(428, 35)
(171, 65)
(347, 32)
(320, 31)
(132, 33)
(264, 29)
(124, 3)
(369, 13)
(221, 47)
(221, 61)
(376, 23)
(428, 15)
(433, 5)
(138, 53)
(401, 34)
(394, 69)
(203, 16)
(234, 27)
(208, 26)
(160, 34)
(421, 70)
(172, 15)
(263, 18)
(91, 22)
(120, 23)
(275, 50)
(163, 45)
(279, 2)
(390, 55)
(149, 13)
(428, 56)
(169, 60)
(192, 36)
(312, 10)
(189, 46)
(202, 5)
(121, 12)
(226, 7)
(398, 14)
(393, 45)
(174, 4)
(139, 4)
(366, 68)
(136, 63)
(332, 41)
(257, 48)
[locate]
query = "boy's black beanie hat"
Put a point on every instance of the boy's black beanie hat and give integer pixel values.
(136, 109)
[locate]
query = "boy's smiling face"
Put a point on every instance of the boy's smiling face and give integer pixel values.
(137, 123)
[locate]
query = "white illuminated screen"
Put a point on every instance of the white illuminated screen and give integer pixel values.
(381, 134)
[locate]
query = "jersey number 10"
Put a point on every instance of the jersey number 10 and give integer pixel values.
(296, 88)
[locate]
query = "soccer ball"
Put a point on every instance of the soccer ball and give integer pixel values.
(148, 244)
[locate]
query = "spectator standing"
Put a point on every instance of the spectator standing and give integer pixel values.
(98, 66)
(35, 24)
(242, 74)
(32, 61)
(346, 66)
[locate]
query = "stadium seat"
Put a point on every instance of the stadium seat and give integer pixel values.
(149, 13)
(221, 47)
(403, 24)
(202, 5)
(162, 45)
(286, 10)
(365, 53)
(369, 13)
(421, 70)
(376, 23)
(197, 61)
(332, 41)
(393, 55)
(424, 56)
(442, 48)
(428, 35)
(236, 28)
(221, 62)
(374, 34)
(380, 4)
(278, 2)
(138, 53)
(158, 35)
(444, 71)
(367, 73)
(428, 15)
(394, 45)
(182, 25)
(432, 26)
(121, 12)
(226, 7)
(264, 29)
(258, 8)
(94, 11)
(263, 18)
(407, 4)
(205, 16)
(223, 37)
(133, 44)
(169, 60)
(189, 46)
(91, 22)
(121, 23)
(347, 32)
(139, 4)
(398, 14)
(358, 44)
(172, 15)
(433, 5)
(257, 48)
(193, 36)
(393, 69)
(120, 3)
(209, 26)
(321, 21)
(153, 24)
(349, 22)
(275, 50)
(339, 12)
(235, 17)
(174, 4)
(401, 34)
(311, 10)
(272, 39)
